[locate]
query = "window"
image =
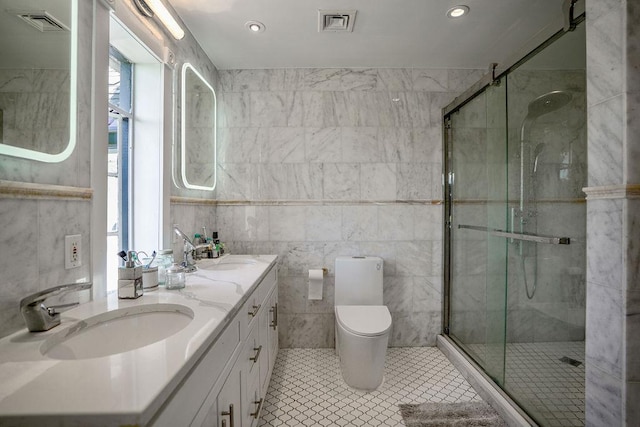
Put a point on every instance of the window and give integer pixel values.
(119, 165)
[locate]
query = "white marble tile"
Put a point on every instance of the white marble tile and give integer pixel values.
(237, 181)
(323, 144)
(250, 223)
(427, 145)
(270, 109)
(603, 398)
(300, 257)
(286, 223)
(605, 51)
(241, 145)
(306, 330)
(341, 181)
(414, 258)
(284, 145)
(360, 145)
(632, 130)
(323, 223)
(398, 294)
(318, 109)
(234, 109)
(430, 80)
(378, 181)
(604, 243)
(427, 294)
(61, 219)
(395, 79)
(304, 181)
(396, 143)
(360, 79)
(427, 222)
(324, 79)
(419, 111)
(359, 223)
(395, 222)
(414, 181)
(272, 181)
(605, 148)
(20, 272)
(604, 333)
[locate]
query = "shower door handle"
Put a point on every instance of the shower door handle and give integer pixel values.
(550, 240)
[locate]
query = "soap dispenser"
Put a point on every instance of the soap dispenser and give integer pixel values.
(130, 279)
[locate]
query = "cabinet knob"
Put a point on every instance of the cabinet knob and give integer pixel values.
(274, 310)
(255, 358)
(256, 308)
(258, 409)
(230, 414)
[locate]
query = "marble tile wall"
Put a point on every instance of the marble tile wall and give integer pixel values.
(326, 162)
(612, 368)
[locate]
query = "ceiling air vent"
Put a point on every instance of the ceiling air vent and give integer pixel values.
(336, 21)
(42, 21)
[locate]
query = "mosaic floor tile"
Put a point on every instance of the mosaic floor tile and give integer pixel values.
(307, 388)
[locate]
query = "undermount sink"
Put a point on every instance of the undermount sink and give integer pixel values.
(234, 264)
(117, 331)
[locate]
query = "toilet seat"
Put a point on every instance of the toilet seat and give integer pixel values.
(364, 320)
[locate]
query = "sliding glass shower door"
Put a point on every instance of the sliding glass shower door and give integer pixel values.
(478, 202)
(515, 163)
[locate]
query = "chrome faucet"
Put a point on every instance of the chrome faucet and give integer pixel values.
(38, 316)
(187, 248)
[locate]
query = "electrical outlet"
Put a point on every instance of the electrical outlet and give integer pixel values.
(72, 251)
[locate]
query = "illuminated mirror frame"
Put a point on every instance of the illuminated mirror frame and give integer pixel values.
(183, 143)
(24, 153)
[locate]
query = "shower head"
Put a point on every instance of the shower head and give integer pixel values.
(548, 102)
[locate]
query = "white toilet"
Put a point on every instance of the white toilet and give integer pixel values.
(362, 322)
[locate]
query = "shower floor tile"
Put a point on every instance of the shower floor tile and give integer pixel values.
(307, 388)
(550, 390)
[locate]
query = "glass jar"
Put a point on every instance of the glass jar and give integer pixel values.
(163, 260)
(175, 277)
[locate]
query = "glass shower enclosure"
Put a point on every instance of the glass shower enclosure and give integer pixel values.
(515, 226)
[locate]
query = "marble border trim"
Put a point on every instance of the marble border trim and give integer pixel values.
(622, 191)
(183, 200)
(28, 190)
(177, 200)
(483, 385)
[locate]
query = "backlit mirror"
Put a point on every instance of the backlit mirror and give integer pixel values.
(38, 41)
(198, 140)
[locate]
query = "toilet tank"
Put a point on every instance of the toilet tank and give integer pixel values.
(358, 281)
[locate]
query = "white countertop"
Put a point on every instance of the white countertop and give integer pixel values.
(130, 387)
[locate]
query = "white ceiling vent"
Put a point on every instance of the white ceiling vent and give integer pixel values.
(42, 21)
(336, 21)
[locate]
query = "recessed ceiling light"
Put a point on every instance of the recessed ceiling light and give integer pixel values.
(457, 11)
(255, 26)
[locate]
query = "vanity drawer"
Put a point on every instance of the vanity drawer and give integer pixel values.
(254, 305)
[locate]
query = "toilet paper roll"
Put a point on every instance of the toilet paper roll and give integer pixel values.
(316, 278)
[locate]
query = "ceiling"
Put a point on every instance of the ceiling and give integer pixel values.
(387, 33)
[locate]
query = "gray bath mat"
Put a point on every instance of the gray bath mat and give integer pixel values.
(468, 414)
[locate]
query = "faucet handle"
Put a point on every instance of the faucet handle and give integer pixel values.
(39, 297)
(39, 317)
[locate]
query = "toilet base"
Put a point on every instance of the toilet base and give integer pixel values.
(361, 359)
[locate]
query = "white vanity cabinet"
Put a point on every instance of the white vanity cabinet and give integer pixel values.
(235, 392)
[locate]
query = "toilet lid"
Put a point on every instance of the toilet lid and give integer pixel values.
(366, 320)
